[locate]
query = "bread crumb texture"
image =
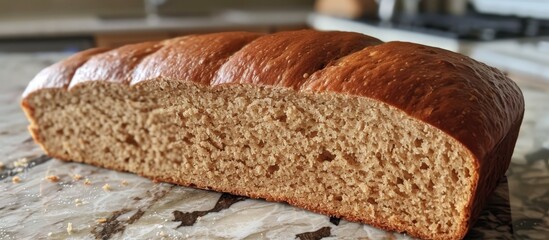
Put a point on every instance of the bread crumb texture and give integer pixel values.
(107, 187)
(69, 228)
(340, 155)
(16, 179)
(52, 178)
(23, 162)
(76, 177)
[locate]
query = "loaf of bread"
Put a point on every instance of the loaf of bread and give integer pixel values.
(397, 135)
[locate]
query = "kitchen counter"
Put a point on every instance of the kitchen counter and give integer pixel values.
(78, 205)
(88, 25)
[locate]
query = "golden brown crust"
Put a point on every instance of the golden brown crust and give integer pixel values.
(495, 164)
(473, 103)
(114, 66)
(287, 59)
(60, 74)
(192, 58)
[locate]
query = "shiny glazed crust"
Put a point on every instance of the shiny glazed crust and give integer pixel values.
(471, 102)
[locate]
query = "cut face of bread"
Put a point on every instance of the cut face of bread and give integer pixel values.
(397, 135)
(334, 154)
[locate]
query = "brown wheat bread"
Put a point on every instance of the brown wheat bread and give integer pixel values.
(398, 135)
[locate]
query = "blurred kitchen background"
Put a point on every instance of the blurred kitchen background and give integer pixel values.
(512, 35)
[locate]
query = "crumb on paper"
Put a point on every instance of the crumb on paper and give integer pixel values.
(101, 220)
(52, 178)
(162, 234)
(87, 182)
(23, 162)
(76, 177)
(69, 228)
(107, 187)
(124, 183)
(77, 202)
(16, 179)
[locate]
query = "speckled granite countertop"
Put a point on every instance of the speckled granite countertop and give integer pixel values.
(76, 206)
